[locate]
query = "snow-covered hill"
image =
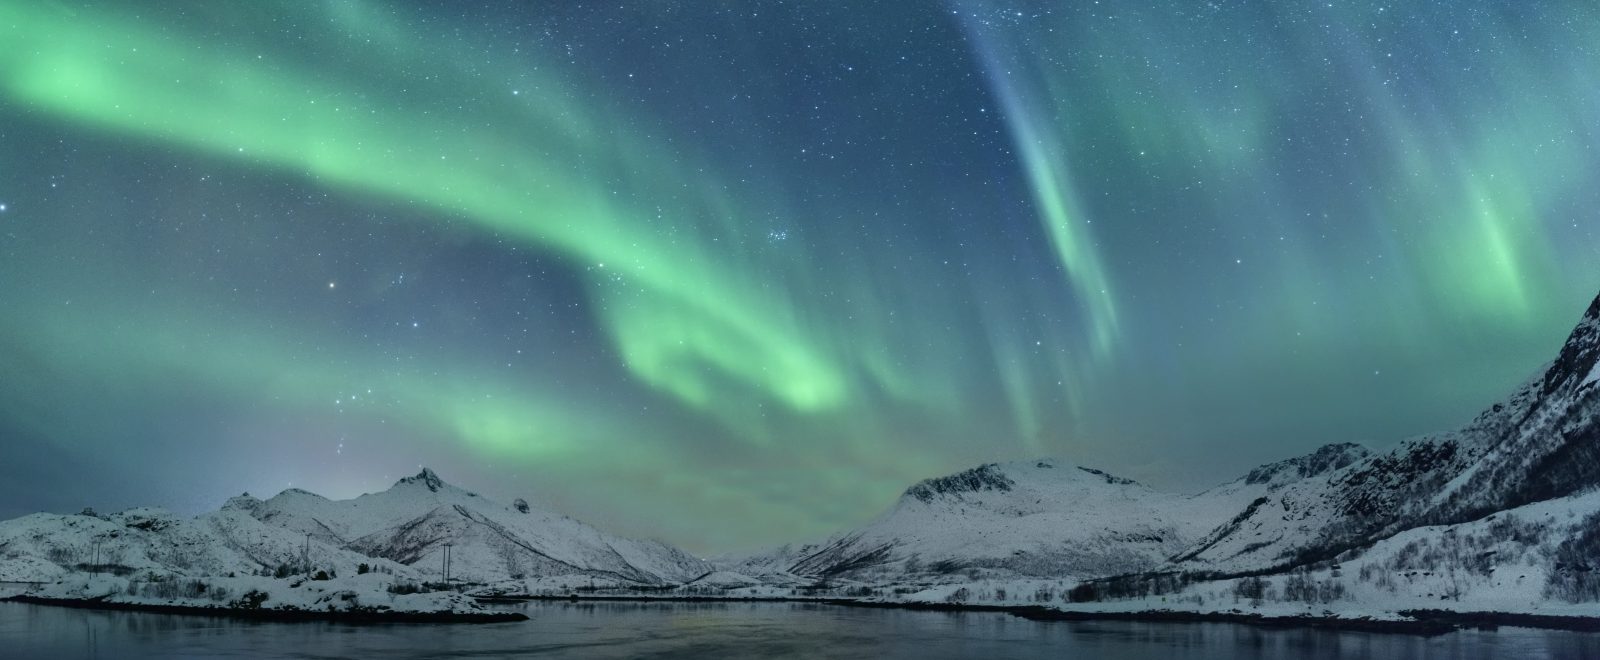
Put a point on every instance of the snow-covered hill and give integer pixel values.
(1537, 559)
(43, 547)
(404, 530)
(1036, 518)
(412, 521)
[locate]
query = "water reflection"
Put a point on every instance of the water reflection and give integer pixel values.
(747, 630)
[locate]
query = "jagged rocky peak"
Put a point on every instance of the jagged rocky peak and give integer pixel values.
(243, 502)
(1324, 460)
(1002, 477)
(145, 518)
(1110, 478)
(984, 477)
(1577, 363)
(426, 477)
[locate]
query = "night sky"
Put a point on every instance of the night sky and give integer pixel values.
(737, 273)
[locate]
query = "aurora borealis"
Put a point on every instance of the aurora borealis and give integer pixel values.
(733, 274)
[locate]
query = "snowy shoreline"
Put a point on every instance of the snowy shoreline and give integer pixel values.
(337, 616)
(365, 598)
(1410, 622)
(1423, 622)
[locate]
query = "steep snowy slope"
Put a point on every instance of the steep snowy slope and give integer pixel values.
(1541, 443)
(1536, 559)
(43, 546)
(413, 521)
(1036, 518)
(404, 529)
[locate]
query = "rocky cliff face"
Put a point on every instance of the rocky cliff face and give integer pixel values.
(1540, 443)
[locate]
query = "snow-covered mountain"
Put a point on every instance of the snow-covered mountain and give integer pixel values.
(413, 521)
(405, 529)
(1541, 443)
(1043, 519)
(1034, 519)
(44, 546)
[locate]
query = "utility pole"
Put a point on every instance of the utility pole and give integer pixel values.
(447, 547)
(96, 553)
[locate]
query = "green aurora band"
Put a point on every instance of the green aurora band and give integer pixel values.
(1185, 240)
(680, 311)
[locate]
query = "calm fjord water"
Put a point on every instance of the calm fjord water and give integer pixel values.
(733, 630)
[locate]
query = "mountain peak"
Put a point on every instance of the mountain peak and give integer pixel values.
(426, 477)
(1326, 458)
(243, 502)
(984, 477)
(1110, 478)
(1004, 477)
(1579, 355)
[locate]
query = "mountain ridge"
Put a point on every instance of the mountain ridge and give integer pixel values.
(1539, 443)
(406, 527)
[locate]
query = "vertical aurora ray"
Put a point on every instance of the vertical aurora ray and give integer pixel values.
(1275, 184)
(1141, 83)
(1048, 167)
